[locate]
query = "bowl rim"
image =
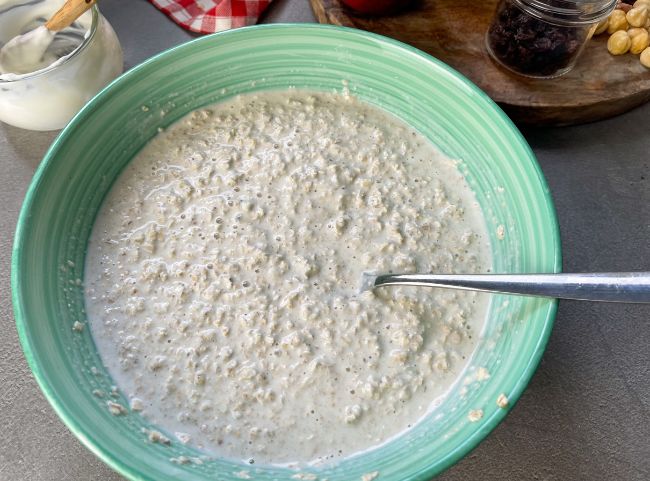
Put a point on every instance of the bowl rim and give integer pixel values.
(115, 463)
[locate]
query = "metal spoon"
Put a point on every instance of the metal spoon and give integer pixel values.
(631, 287)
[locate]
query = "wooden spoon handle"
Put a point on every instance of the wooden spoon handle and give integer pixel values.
(68, 13)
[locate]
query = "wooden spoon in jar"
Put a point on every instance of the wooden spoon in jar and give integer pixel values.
(67, 14)
(24, 53)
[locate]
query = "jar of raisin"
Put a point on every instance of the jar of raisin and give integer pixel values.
(543, 38)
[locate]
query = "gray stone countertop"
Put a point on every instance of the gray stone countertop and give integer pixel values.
(586, 413)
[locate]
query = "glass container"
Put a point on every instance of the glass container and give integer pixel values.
(48, 98)
(543, 38)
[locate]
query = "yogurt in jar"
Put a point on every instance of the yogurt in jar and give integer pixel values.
(223, 271)
(44, 93)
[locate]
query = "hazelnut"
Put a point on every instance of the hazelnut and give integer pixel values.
(637, 16)
(617, 21)
(645, 58)
(619, 43)
(640, 39)
(601, 27)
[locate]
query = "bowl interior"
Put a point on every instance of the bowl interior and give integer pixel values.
(87, 157)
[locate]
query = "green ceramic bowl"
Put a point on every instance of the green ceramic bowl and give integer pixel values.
(86, 158)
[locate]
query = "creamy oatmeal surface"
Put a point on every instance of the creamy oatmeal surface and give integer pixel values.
(223, 272)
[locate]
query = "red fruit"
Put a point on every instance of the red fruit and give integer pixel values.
(374, 7)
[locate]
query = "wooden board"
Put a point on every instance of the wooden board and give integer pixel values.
(600, 85)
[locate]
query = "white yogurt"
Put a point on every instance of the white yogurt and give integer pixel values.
(28, 52)
(44, 81)
(28, 46)
(223, 270)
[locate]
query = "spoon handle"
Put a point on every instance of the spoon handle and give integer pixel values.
(632, 287)
(67, 14)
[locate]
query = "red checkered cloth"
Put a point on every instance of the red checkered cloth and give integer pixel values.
(209, 16)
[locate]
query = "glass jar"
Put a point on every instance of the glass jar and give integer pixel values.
(543, 38)
(48, 98)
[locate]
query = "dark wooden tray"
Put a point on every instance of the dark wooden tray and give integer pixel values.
(600, 86)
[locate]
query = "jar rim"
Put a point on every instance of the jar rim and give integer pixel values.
(81, 47)
(568, 12)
